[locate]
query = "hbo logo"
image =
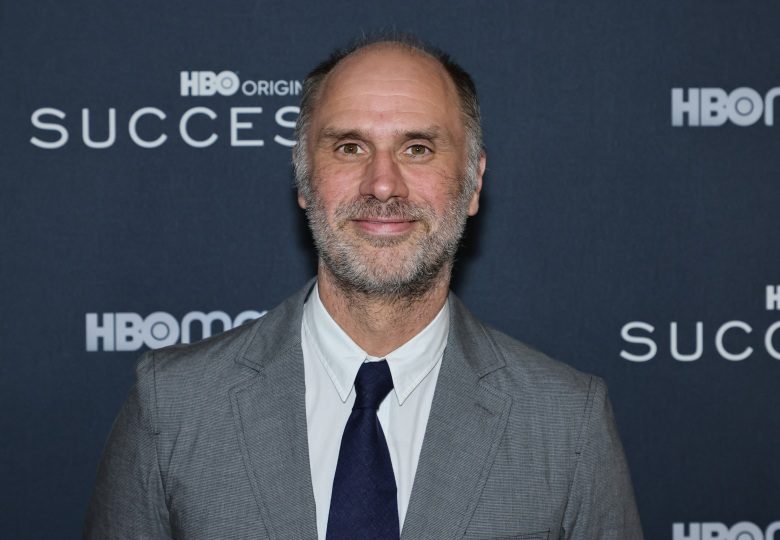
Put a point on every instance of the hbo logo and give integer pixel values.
(208, 83)
(714, 106)
(744, 530)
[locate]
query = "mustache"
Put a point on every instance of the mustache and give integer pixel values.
(371, 208)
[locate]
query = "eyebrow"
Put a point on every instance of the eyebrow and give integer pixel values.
(336, 134)
(430, 133)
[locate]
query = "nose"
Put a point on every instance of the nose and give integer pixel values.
(383, 178)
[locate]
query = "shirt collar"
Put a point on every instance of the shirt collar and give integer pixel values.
(341, 357)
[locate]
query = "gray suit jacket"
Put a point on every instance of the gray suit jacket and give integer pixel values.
(212, 444)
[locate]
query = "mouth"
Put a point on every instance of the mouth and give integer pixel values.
(384, 226)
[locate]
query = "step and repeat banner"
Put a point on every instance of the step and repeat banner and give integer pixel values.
(629, 224)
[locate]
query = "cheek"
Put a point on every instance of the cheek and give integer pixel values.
(438, 190)
(336, 176)
(334, 185)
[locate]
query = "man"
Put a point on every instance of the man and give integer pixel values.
(371, 403)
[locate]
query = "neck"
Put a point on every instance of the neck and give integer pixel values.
(379, 325)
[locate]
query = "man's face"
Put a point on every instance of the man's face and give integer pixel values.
(387, 150)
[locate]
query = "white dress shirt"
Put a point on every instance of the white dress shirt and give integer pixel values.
(331, 362)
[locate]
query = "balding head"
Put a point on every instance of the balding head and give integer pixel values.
(433, 67)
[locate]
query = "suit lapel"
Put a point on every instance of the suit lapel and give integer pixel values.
(465, 427)
(270, 417)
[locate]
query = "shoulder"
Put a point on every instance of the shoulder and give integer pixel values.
(548, 397)
(193, 361)
(551, 401)
(511, 365)
(531, 371)
(190, 373)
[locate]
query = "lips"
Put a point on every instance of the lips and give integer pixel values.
(384, 225)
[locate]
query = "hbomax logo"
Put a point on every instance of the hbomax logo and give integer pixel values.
(711, 107)
(126, 331)
(744, 530)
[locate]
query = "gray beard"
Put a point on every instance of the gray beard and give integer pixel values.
(351, 265)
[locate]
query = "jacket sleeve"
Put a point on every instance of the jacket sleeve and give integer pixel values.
(128, 499)
(601, 500)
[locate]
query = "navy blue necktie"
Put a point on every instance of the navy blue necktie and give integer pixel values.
(363, 504)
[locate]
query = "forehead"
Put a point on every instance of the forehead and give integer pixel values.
(388, 82)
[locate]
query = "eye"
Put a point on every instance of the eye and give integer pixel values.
(418, 150)
(350, 149)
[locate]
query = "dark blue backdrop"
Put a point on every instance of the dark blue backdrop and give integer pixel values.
(600, 220)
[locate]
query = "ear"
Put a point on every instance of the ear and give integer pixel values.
(474, 202)
(301, 200)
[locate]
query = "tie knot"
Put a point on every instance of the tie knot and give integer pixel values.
(372, 384)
